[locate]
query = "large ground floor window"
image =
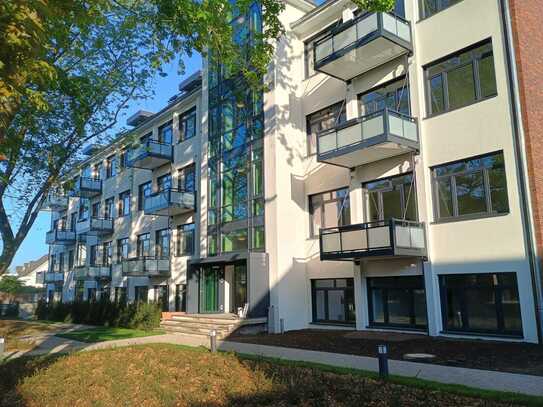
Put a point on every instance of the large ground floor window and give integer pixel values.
(397, 302)
(481, 303)
(333, 301)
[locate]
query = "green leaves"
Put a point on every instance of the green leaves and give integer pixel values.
(375, 5)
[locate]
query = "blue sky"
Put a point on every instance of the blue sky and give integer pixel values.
(34, 245)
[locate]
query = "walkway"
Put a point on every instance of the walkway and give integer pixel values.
(483, 379)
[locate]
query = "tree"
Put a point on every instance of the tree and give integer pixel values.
(11, 285)
(69, 68)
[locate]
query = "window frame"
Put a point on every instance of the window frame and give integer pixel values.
(111, 166)
(184, 117)
(404, 197)
(160, 237)
(182, 177)
(424, 16)
(145, 186)
(315, 234)
(120, 244)
(396, 286)
(121, 204)
(141, 238)
(348, 287)
(191, 227)
(443, 74)
(486, 185)
(160, 135)
(498, 304)
(313, 137)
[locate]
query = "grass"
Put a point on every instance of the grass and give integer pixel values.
(13, 330)
(157, 375)
(103, 333)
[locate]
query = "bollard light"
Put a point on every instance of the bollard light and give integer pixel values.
(382, 355)
(2, 345)
(213, 340)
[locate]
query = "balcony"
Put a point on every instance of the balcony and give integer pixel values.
(367, 139)
(146, 267)
(94, 226)
(52, 277)
(87, 187)
(150, 155)
(55, 202)
(359, 45)
(96, 272)
(60, 237)
(170, 202)
(382, 239)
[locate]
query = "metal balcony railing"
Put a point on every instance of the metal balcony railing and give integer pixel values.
(359, 141)
(146, 266)
(361, 44)
(60, 237)
(387, 238)
(169, 202)
(87, 187)
(93, 272)
(150, 154)
(94, 225)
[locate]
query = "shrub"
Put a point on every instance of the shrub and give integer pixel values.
(138, 315)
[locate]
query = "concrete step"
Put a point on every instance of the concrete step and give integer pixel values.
(203, 319)
(193, 331)
(196, 326)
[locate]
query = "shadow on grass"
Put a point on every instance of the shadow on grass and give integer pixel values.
(13, 372)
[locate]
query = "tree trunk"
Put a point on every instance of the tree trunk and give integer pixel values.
(8, 253)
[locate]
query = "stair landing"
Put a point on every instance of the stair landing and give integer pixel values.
(203, 324)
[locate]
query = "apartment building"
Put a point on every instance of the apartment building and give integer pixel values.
(380, 182)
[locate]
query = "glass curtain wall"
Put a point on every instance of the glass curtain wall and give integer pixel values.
(236, 176)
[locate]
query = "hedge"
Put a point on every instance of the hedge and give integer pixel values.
(137, 315)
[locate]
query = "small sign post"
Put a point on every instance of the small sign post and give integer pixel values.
(213, 340)
(382, 353)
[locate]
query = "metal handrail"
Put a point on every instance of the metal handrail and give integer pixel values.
(342, 27)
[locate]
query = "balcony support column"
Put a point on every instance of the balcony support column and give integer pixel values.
(431, 289)
(360, 296)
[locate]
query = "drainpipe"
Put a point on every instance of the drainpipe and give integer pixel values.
(522, 169)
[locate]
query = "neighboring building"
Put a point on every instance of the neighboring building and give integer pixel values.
(380, 183)
(32, 273)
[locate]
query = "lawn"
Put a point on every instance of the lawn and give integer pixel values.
(103, 333)
(14, 330)
(166, 375)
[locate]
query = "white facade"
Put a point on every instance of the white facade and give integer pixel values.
(492, 244)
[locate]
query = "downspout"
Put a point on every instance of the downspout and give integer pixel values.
(522, 169)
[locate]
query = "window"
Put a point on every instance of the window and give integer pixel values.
(165, 133)
(309, 59)
(161, 296)
(61, 262)
(180, 297)
(70, 259)
(164, 182)
(73, 220)
(124, 158)
(389, 198)
(461, 79)
(323, 120)
(329, 209)
(484, 303)
(108, 208)
(187, 179)
(187, 125)
(471, 188)
(431, 7)
(107, 251)
(97, 171)
(111, 166)
(185, 239)
(83, 208)
(124, 204)
(144, 190)
(95, 211)
(397, 302)
(120, 295)
(394, 96)
(96, 255)
(141, 293)
(333, 300)
(162, 246)
(81, 254)
(123, 248)
(144, 245)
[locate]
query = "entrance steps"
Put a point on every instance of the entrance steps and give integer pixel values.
(202, 324)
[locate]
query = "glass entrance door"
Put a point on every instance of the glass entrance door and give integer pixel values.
(240, 286)
(209, 288)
